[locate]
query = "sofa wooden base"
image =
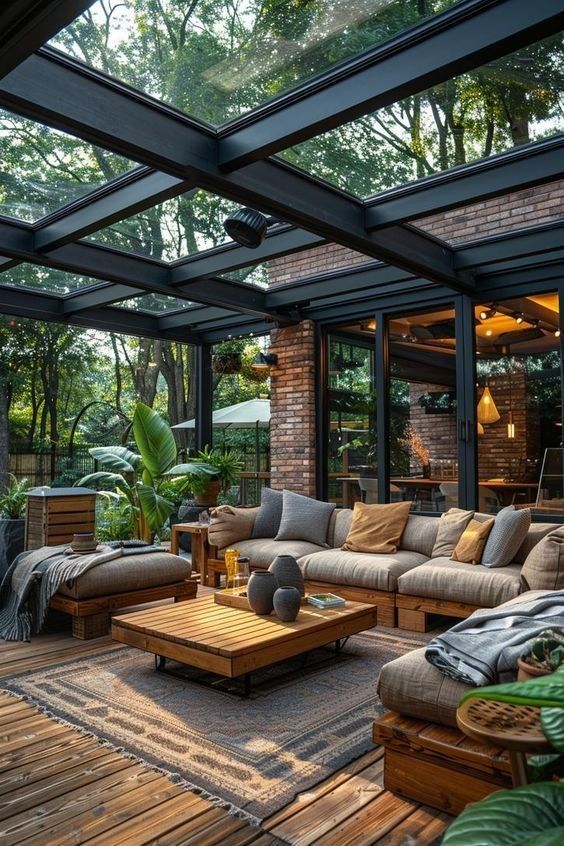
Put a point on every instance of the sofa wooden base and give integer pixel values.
(383, 599)
(91, 617)
(415, 612)
(437, 765)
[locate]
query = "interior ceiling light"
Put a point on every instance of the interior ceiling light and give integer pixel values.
(247, 227)
(518, 317)
(486, 313)
(487, 409)
(557, 333)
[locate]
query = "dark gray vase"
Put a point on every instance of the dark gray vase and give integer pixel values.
(260, 591)
(288, 573)
(287, 601)
(11, 542)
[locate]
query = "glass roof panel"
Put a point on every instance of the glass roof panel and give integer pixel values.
(497, 216)
(216, 59)
(42, 169)
(155, 303)
(36, 278)
(254, 275)
(171, 230)
(506, 103)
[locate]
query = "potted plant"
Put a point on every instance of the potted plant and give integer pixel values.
(140, 476)
(227, 357)
(545, 656)
(12, 523)
(208, 474)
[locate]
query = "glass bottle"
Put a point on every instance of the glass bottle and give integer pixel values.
(242, 575)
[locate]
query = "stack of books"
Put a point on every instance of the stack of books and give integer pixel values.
(325, 600)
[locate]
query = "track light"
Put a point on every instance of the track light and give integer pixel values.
(247, 227)
(518, 317)
(486, 313)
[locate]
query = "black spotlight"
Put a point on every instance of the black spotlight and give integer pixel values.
(247, 227)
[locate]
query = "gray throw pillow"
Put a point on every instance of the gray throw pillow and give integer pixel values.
(508, 533)
(267, 521)
(304, 519)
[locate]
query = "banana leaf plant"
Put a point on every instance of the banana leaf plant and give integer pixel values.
(532, 815)
(138, 476)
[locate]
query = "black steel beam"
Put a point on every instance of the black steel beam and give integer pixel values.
(464, 37)
(534, 240)
(134, 275)
(229, 257)
(25, 25)
(516, 169)
(53, 89)
(132, 193)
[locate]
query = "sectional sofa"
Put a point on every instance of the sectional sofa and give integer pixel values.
(408, 586)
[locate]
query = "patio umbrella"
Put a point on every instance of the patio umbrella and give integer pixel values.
(243, 415)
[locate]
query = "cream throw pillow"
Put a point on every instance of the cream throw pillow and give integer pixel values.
(471, 545)
(451, 525)
(229, 525)
(377, 528)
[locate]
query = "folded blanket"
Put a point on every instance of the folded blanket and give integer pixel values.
(484, 648)
(35, 576)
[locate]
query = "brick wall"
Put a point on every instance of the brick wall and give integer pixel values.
(437, 431)
(292, 409)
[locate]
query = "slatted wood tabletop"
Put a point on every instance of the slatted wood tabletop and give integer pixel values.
(233, 641)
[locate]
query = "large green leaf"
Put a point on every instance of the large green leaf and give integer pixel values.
(552, 722)
(543, 692)
(193, 468)
(118, 459)
(512, 818)
(107, 480)
(156, 509)
(154, 439)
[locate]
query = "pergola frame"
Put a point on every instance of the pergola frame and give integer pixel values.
(178, 154)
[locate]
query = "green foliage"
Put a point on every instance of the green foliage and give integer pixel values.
(115, 519)
(137, 476)
(13, 501)
(206, 466)
(547, 650)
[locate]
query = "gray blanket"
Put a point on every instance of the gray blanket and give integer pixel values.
(35, 576)
(484, 648)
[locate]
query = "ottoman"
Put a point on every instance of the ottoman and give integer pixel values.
(120, 583)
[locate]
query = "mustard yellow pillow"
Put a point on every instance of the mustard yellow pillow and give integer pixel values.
(377, 528)
(472, 541)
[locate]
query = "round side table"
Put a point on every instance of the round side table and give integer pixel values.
(516, 728)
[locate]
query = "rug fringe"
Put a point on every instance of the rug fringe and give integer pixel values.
(175, 778)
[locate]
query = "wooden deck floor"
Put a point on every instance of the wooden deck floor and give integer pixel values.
(58, 787)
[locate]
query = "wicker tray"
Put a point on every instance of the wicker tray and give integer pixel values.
(237, 598)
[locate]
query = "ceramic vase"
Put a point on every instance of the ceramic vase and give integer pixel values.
(260, 591)
(288, 573)
(287, 601)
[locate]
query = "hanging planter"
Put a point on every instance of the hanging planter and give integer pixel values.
(227, 362)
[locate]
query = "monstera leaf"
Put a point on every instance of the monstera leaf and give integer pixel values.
(525, 816)
(156, 509)
(154, 439)
(118, 459)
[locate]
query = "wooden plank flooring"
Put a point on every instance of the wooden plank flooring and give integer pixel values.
(58, 787)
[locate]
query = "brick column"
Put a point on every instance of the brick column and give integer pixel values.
(292, 408)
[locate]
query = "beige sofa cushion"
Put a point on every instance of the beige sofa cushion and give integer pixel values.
(263, 551)
(420, 534)
(411, 686)
(535, 533)
(376, 571)
(544, 566)
(132, 572)
(442, 578)
(230, 524)
(451, 526)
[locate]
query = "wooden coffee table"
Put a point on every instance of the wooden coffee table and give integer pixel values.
(232, 642)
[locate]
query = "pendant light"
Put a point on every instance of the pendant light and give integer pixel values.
(487, 410)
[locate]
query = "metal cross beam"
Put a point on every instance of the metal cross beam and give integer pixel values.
(133, 274)
(522, 167)
(25, 25)
(464, 37)
(54, 90)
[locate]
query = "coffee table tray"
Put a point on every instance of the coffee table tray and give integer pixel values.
(237, 598)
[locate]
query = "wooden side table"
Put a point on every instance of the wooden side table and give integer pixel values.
(516, 728)
(200, 546)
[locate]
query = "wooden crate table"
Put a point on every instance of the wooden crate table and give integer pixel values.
(200, 546)
(232, 642)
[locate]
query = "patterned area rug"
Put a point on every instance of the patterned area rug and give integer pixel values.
(252, 755)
